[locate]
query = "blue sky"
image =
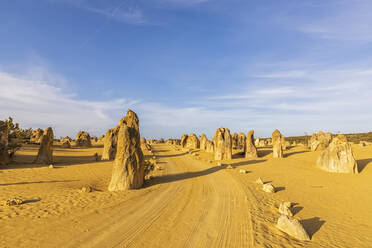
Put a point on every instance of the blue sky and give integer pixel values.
(187, 66)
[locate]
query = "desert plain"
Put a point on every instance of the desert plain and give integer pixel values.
(187, 200)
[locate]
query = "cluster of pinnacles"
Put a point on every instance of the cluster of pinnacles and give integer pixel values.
(124, 145)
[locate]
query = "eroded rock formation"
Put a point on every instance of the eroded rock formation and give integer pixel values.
(235, 140)
(129, 165)
(222, 144)
(203, 142)
(209, 146)
(183, 140)
(83, 139)
(45, 154)
(262, 143)
(4, 155)
(320, 141)
(36, 136)
(192, 141)
(175, 142)
(292, 227)
(285, 144)
(285, 208)
(268, 187)
(110, 143)
(241, 141)
(250, 148)
(101, 138)
(277, 139)
(257, 142)
(338, 157)
(65, 143)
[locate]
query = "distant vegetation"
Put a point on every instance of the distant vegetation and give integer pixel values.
(16, 136)
(298, 139)
(352, 137)
(357, 137)
(16, 132)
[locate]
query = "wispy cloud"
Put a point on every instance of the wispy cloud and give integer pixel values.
(330, 99)
(182, 2)
(118, 10)
(337, 20)
(129, 11)
(282, 74)
(322, 98)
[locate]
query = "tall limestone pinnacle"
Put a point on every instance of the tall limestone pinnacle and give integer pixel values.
(129, 168)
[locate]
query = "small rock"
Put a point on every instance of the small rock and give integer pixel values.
(287, 204)
(268, 187)
(14, 202)
(51, 166)
(96, 157)
(219, 164)
(242, 171)
(86, 189)
(230, 167)
(293, 228)
(284, 208)
(259, 181)
(148, 177)
(154, 157)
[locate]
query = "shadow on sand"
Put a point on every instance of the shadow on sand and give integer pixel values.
(171, 155)
(238, 155)
(362, 163)
(312, 225)
(278, 189)
(156, 151)
(296, 208)
(187, 175)
(249, 162)
(26, 161)
(263, 153)
(31, 200)
(21, 183)
(294, 153)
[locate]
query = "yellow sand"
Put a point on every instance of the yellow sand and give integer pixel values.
(191, 203)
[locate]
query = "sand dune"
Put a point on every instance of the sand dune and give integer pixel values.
(190, 203)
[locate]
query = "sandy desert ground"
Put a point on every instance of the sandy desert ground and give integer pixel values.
(191, 202)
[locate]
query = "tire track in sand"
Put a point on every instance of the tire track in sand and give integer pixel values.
(121, 224)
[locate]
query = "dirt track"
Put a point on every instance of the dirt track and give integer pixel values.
(196, 206)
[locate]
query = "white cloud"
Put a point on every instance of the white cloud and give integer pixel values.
(34, 99)
(323, 99)
(37, 98)
(38, 102)
(329, 99)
